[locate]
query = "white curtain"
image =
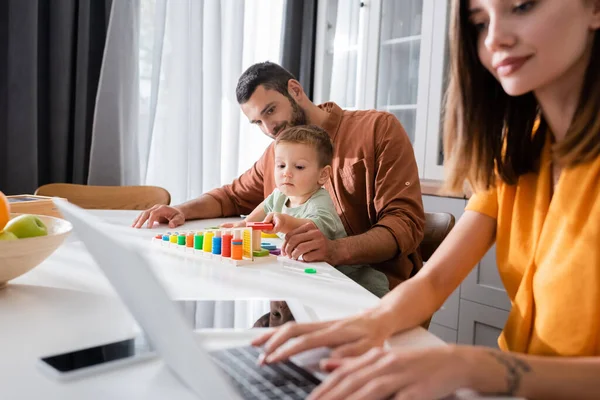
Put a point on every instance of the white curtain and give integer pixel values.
(344, 71)
(115, 153)
(224, 314)
(186, 132)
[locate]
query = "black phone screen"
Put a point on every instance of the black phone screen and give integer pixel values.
(91, 356)
(200, 314)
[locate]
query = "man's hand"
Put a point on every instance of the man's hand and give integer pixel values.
(310, 243)
(240, 224)
(162, 214)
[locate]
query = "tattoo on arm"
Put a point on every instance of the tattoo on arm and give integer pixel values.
(515, 369)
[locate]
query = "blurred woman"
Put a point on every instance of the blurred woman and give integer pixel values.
(522, 126)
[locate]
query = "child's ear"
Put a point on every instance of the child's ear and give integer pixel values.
(325, 174)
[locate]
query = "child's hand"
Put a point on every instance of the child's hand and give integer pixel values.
(278, 220)
(240, 224)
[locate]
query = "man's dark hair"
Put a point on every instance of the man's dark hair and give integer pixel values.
(272, 76)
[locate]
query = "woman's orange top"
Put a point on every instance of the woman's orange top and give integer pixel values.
(548, 255)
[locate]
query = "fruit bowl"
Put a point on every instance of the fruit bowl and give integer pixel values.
(22, 255)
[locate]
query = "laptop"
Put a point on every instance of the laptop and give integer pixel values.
(225, 374)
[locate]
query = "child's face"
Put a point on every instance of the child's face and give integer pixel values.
(297, 171)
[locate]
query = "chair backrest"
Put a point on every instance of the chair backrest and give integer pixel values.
(107, 197)
(437, 227)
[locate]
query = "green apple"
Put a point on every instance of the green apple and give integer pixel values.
(26, 226)
(7, 236)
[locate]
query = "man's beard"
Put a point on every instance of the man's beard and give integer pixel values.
(298, 117)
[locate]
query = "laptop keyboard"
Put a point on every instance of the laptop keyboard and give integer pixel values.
(284, 380)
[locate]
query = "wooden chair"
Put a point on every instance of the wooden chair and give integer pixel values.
(437, 227)
(107, 197)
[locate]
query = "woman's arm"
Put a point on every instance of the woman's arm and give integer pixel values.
(437, 372)
(536, 377)
(419, 297)
(405, 307)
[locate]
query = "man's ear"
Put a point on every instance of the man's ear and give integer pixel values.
(325, 174)
(295, 89)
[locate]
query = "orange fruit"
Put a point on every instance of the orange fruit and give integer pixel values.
(4, 210)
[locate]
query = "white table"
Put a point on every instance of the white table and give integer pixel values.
(67, 303)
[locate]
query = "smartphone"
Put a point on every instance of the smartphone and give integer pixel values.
(92, 360)
(213, 315)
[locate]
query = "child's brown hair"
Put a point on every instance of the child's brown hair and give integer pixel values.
(311, 135)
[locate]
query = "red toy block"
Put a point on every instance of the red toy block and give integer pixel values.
(260, 226)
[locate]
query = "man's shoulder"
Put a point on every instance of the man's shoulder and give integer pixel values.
(269, 152)
(371, 114)
(366, 120)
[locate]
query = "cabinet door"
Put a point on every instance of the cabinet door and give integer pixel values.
(402, 85)
(389, 55)
(447, 315)
(480, 325)
(483, 285)
(399, 58)
(446, 334)
(438, 82)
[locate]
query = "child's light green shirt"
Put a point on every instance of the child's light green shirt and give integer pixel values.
(320, 210)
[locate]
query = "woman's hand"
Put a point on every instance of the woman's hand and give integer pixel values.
(427, 374)
(348, 337)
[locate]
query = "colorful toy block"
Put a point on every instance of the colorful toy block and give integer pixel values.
(235, 246)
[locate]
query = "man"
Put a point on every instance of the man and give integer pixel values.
(375, 185)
